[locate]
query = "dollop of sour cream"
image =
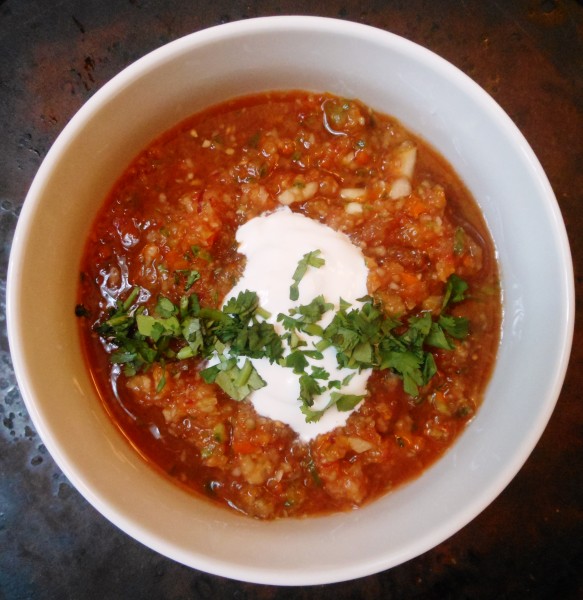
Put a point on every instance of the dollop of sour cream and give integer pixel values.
(274, 244)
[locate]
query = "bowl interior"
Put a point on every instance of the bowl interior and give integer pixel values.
(430, 97)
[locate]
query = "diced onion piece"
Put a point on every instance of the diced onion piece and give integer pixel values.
(359, 445)
(310, 190)
(352, 193)
(297, 193)
(353, 208)
(171, 414)
(348, 158)
(407, 154)
(399, 188)
(287, 197)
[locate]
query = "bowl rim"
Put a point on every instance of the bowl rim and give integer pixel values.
(136, 70)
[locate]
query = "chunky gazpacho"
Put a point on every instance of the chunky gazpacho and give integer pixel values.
(290, 304)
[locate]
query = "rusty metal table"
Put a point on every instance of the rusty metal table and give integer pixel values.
(528, 54)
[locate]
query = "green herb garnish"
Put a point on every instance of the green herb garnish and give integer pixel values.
(364, 337)
(455, 290)
(237, 382)
(343, 402)
(190, 277)
(310, 259)
(185, 330)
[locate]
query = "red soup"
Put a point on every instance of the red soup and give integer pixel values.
(176, 362)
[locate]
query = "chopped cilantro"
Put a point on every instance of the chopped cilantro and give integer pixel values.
(312, 312)
(437, 338)
(455, 290)
(297, 361)
(456, 327)
(190, 277)
(199, 252)
(310, 259)
(162, 381)
(243, 305)
(343, 402)
(309, 387)
(363, 336)
(157, 327)
(165, 308)
(320, 373)
(237, 382)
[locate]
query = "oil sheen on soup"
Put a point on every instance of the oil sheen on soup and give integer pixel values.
(290, 304)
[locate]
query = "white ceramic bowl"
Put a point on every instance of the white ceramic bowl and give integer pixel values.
(429, 96)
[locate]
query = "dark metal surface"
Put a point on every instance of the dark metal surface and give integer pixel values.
(529, 55)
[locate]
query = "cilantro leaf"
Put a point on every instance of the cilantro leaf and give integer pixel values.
(437, 338)
(309, 387)
(363, 336)
(456, 327)
(199, 252)
(190, 277)
(297, 361)
(313, 311)
(455, 290)
(320, 373)
(310, 259)
(237, 382)
(343, 402)
(243, 305)
(156, 327)
(165, 307)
